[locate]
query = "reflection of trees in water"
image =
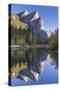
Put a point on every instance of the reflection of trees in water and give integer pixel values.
(38, 56)
(54, 58)
(41, 54)
(17, 61)
(30, 63)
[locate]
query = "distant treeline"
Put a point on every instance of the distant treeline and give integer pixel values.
(53, 40)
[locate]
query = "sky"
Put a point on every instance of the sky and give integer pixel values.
(49, 14)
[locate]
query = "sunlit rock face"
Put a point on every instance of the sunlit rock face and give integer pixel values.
(36, 16)
(42, 24)
(36, 22)
(32, 18)
(24, 13)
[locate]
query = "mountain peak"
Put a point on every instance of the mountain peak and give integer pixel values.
(36, 16)
(26, 12)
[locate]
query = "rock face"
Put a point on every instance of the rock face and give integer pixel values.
(32, 18)
(31, 22)
(24, 13)
(36, 22)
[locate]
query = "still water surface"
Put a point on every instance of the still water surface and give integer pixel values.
(33, 66)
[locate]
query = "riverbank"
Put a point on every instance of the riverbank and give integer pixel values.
(30, 46)
(16, 47)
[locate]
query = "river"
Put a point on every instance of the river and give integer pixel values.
(33, 66)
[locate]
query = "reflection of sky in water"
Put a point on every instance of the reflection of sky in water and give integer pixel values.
(49, 75)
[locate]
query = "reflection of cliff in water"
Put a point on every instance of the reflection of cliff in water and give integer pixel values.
(54, 58)
(31, 63)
